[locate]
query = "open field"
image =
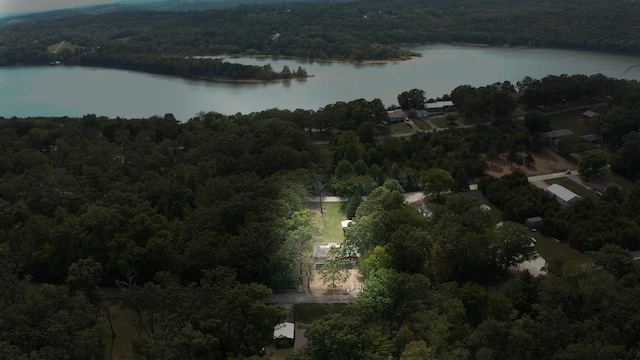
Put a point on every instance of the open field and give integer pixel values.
(401, 128)
(441, 122)
(122, 321)
(571, 120)
(328, 226)
(548, 248)
(422, 125)
(615, 178)
(278, 354)
(307, 313)
(57, 48)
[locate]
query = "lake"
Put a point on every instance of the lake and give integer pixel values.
(76, 91)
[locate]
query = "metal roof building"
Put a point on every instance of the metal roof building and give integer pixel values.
(563, 195)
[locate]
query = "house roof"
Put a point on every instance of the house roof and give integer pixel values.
(562, 192)
(559, 133)
(321, 251)
(345, 223)
(438, 104)
(591, 138)
(396, 114)
(284, 331)
(474, 194)
(590, 113)
(533, 219)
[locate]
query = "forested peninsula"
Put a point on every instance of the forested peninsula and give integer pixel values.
(165, 42)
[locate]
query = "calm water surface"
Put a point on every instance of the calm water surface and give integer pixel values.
(76, 91)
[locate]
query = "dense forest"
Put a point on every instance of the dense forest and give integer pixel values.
(198, 221)
(353, 31)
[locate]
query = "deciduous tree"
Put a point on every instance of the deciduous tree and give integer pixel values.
(435, 181)
(592, 163)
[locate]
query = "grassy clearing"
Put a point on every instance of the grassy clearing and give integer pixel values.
(441, 122)
(548, 248)
(279, 354)
(496, 213)
(308, 313)
(545, 246)
(571, 120)
(621, 181)
(401, 128)
(123, 39)
(329, 227)
(122, 320)
(422, 125)
(57, 48)
(575, 187)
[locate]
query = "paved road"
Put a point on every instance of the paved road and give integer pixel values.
(309, 299)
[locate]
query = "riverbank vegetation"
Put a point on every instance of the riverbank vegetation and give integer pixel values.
(198, 221)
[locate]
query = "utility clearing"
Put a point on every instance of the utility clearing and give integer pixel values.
(58, 47)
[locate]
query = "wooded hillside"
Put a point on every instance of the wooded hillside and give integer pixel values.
(354, 31)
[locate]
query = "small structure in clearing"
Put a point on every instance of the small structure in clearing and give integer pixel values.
(533, 222)
(321, 252)
(588, 115)
(477, 195)
(345, 224)
(284, 334)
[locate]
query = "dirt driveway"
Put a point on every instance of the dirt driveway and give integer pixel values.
(544, 164)
(352, 286)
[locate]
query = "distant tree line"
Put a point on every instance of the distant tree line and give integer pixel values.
(203, 69)
(353, 31)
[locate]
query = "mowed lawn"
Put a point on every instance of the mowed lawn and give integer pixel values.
(571, 120)
(329, 226)
(401, 127)
(308, 313)
(549, 249)
(422, 125)
(58, 47)
(441, 122)
(122, 321)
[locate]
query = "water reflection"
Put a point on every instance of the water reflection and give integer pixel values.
(76, 91)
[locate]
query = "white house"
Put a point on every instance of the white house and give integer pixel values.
(396, 116)
(563, 195)
(439, 107)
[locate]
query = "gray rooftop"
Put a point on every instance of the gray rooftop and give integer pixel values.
(438, 104)
(559, 133)
(561, 192)
(474, 194)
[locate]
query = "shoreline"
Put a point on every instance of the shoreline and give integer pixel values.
(178, 76)
(305, 60)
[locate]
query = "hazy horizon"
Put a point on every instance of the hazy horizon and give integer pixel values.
(17, 7)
